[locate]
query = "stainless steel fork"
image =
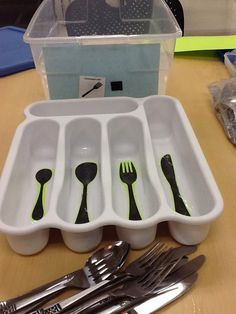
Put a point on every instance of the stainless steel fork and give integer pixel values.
(98, 267)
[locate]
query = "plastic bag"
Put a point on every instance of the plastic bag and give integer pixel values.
(224, 102)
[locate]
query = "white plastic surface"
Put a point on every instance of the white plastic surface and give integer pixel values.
(62, 134)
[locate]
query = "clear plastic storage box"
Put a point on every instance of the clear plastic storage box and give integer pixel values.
(96, 48)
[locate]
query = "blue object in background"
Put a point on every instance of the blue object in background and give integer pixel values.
(15, 55)
(221, 54)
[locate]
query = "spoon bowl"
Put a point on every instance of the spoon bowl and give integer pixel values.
(85, 173)
(43, 175)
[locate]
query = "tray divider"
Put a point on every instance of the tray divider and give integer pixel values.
(59, 173)
(106, 171)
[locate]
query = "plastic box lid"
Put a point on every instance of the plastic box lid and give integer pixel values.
(15, 55)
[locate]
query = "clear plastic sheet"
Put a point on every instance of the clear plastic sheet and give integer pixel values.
(224, 102)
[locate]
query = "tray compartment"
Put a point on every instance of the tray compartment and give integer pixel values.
(82, 147)
(127, 144)
(172, 134)
(71, 107)
(34, 148)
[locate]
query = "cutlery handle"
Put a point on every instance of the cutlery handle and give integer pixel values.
(36, 297)
(123, 305)
(38, 210)
(82, 216)
(95, 305)
(113, 306)
(169, 172)
(89, 91)
(133, 209)
(81, 299)
(180, 207)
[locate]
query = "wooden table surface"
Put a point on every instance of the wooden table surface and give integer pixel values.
(214, 291)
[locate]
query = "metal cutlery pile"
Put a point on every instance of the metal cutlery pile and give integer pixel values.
(153, 280)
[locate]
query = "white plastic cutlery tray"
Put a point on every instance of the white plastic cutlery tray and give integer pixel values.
(61, 134)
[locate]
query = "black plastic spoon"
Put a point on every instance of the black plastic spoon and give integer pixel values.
(168, 170)
(42, 176)
(85, 173)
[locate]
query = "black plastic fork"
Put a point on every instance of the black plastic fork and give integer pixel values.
(128, 175)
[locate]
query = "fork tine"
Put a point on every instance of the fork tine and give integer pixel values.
(121, 167)
(127, 166)
(163, 258)
(158, 247)
(156, 258)
(153, 258)
(158, 266)
(154, 277)
(168, 258)
(130, 166)
(168, 266)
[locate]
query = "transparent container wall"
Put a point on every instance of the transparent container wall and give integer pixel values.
(131, 44)
(150, 17)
